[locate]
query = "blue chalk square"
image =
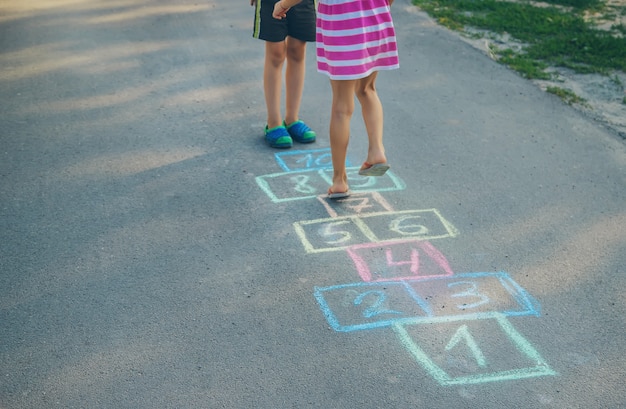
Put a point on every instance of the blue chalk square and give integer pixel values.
(296, 160)
(475, 294)
(361, 306)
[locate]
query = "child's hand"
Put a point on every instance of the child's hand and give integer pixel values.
(279, 11)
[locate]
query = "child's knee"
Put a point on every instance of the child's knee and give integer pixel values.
(365, 90)
(296, 52)
(342, 110)
(275, 54)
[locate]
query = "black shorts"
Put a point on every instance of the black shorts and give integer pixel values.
(299, 24)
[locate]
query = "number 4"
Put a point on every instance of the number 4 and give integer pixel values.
(414, 262)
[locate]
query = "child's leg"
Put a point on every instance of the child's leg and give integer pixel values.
(294, 78)
(341, 113)
(272, 81)
(372, 111)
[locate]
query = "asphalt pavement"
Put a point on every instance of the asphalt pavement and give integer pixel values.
(155, 253)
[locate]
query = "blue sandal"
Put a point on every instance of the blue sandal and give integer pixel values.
(278, 137)
(300, 132)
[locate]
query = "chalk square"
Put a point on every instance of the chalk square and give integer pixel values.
(361, 306)
(330, 234)
(463, 352)
(475, 295)
(288, 186)
(297, 160)
(426, 224)
(356, 204)
(403, 260)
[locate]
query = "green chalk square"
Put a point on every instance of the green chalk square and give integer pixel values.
(541, 367)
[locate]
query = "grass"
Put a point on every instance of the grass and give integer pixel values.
(554, 33)
(566, 95)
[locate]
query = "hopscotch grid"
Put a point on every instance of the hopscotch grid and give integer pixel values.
(526, 303)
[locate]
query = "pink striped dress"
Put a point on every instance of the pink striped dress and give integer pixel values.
(355, 38)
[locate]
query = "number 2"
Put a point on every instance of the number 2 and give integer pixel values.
(375, 308)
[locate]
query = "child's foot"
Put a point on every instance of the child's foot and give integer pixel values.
(300, 132)
(376, 169)
(338, 195)
(339, 187)
(278, 137)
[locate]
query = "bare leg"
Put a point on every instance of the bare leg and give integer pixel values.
(294, 78)
(341, 114)
(272, 81)
(372, 111)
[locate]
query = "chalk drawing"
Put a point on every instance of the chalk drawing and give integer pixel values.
(471, 290)
(301, 184)
(332, 233)
(475, 294)
(309, 183)
(320, 235)
(398, 261)
(377, 306)
(356, 204)
(514, 357)
(463, 334)
(407, 282)
(361, 306)
(410, 302)
(295, 160)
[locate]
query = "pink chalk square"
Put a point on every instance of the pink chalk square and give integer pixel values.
(410, 259)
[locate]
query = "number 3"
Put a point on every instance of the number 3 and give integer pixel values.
(472, 291)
